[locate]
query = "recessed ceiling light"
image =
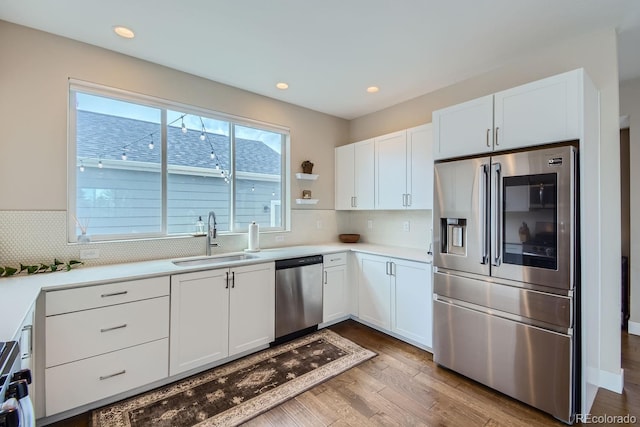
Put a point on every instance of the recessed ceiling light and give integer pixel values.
(373, 89)
(124, 32)
(282, 86)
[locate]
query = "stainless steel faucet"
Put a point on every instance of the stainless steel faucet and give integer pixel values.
(212, 232)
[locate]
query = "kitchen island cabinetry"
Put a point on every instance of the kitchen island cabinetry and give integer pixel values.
(354, 183)
(395, 295)
(541, 112)
(219, 313)
(103, 340)
(335, 295)
(404, 169)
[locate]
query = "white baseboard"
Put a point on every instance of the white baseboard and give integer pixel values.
(634, 328)
(611, 381)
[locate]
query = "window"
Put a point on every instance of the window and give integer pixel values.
(142, 167)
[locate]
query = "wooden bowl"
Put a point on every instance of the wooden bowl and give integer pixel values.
(349, 238)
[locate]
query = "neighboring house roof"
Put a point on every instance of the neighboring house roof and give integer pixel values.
(102, 136)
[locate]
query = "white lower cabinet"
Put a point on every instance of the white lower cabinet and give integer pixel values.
(396, 295)
(412, 299)
(75, 384)
(252, 307)
(218, 313)
(374, 291)
(335, 293)
(104, 340)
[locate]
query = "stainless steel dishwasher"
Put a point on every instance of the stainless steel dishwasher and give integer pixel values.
(298, 296)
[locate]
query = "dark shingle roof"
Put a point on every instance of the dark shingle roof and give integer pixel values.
(106, 137)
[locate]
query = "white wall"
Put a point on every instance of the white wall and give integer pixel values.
(630, 105)
(597, 53)
(34, 77)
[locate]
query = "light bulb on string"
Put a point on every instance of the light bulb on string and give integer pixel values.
(100, 165)
(253, 188)
(202, 137)
(217, 166)
(81, 166)
(151, 143)
(213, 155)
(184, 128)
(273, 193)
(124, 156)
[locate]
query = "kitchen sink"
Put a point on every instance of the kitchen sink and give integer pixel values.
(217, 259)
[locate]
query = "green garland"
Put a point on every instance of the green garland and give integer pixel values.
(39, 268)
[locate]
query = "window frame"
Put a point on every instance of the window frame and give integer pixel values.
(165, 105)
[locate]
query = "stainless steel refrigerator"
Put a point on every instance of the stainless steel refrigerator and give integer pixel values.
(505, 258)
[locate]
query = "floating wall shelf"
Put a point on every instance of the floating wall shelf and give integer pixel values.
(306, 201)
(307, 176)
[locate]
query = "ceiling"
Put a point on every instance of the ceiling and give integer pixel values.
(330, 51)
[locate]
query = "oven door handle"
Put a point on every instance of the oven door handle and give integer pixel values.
(496, 215)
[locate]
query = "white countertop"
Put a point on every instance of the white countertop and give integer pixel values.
(18, 294)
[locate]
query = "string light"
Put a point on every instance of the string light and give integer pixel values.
(81, 166)
(204, 136)
(253, 188)
(273, 193)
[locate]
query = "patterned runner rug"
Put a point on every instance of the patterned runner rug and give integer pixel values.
(240, 390)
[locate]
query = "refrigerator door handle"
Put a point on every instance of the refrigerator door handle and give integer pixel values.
(496, 213)
(482, 212)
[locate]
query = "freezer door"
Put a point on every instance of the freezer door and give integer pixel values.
(533, 216)
(460, 215)
(530, 364)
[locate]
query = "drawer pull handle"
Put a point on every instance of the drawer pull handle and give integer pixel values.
(114, 294)
(106, 377)
(124, 325)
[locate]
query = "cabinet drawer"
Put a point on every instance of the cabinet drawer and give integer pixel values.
(332, 260)
(88, 333)
(69, 300)
(85, 381)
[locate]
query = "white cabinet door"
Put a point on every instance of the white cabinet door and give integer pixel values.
(199, 332)
(364, 156)
(345, 177)
(420, 167)
(412, 311)
(540, 112)
(335, 300)
(251, 307)
(464, 129)
(374, 291)
(390, 171)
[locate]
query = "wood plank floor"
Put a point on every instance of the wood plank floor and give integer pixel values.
(403, 387)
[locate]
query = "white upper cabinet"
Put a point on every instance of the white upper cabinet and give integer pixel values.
(354, 184)
(390, 172)
(420, 167)
(464, 129)
(538, 113)
(404, 169)
(541, 112)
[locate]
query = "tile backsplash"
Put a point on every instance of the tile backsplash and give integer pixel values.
(410, 229)
(32, 237)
